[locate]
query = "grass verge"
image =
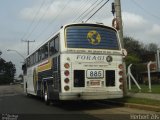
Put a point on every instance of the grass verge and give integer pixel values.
(143, 101)
(145, 89)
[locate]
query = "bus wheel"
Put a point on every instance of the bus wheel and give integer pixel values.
(47, 101)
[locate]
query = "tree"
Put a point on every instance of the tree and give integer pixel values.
(152, 47)
(7, 70)
(137, 50)
(138, 53)
(134, 49)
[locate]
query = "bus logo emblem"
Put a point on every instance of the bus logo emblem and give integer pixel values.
(94, 37)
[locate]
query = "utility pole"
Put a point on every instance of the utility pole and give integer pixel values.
(117, 5)
(28, 41)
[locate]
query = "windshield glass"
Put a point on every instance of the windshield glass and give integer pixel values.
(91, 37)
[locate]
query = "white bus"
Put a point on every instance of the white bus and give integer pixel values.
(80, 62)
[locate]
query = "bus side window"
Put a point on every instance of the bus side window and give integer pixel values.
(28, 62)
(51, 47)
(39, 55)
(56, 44)
(24, 68)
(36, 57)
(45, 51)
(31, 60)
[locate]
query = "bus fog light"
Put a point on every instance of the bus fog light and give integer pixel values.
(66, 73)
(66, 80)
(66, 88)
(66, 65)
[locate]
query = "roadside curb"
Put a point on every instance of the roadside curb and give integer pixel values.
(137, 106)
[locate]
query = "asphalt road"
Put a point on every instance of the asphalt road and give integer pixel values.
(15, 105)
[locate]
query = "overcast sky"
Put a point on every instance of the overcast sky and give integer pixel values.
(38, 19)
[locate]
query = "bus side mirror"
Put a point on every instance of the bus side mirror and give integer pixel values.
(124, 52)
(23, 67)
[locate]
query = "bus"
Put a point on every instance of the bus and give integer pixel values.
(82, 61)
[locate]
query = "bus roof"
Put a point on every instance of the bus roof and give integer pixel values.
(67, 25)
(91, 24)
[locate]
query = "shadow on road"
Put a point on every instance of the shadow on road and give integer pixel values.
(76, 105)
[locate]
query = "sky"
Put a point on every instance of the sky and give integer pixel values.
(22, 20)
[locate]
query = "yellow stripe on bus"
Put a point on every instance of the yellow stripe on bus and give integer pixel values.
(45, 66)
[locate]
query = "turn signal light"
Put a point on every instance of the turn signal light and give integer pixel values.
(66, 65)
(120, 66)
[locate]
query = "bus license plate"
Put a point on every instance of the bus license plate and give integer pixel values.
(95, 83)
(95, 74)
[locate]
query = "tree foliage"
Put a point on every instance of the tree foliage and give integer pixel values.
(7, 71)
(136, 50)
(139, 53)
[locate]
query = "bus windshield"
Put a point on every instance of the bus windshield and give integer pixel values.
(91, 37)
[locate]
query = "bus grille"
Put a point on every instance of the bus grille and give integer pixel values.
(110, 78)
(79, 78)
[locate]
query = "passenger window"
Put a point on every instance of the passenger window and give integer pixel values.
(36, 57)
(45, 51)
(31, 60)
(28, 62)
(51, 47)
(54, 46)
(39, 55)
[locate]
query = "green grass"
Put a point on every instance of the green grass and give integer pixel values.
(145, 89)
(138, 101)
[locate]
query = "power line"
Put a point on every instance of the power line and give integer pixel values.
(85, 11)
(80, 9)
(44, 13)
(91, 9)
(27, 41)
(34, 18)
(97, 10)
(96, 5)
(146, 11)
(58, 14)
